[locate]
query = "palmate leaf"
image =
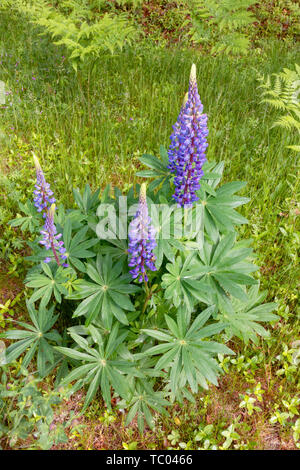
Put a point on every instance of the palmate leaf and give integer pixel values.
(101, 366)
(185, 353)
(142, 401)
(214, 211)
(212, 173)
(164, 220)
(218, 208)
(105, 292)
(77, 246)
(34, 339)
(88, 201)
(38, 255)
(158, 169)
(117, 249)
(181, 286)
(31, 221)
(221, 266)
(243, 317)
(51, 282)
(112, 245)
(75, 215)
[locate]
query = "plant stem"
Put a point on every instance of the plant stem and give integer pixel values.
(55, 254)
(148, 297)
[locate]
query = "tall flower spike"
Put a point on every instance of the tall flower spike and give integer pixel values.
(50, 239)
(188, 144)
(43, 194)
(142, 242)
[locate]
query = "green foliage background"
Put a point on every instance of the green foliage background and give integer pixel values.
(81, 129)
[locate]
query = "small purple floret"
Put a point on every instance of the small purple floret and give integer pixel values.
(51, 240)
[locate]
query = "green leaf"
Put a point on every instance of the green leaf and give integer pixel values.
(52, 283)
(159, 335)
(36, 338)
(107, 295)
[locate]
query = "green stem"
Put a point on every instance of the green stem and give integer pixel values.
(55, 254)
(148, 297)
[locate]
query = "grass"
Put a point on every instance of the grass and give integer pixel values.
(135, 98)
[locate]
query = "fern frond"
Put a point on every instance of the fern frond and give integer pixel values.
(283, 94)
(278, 104)
(228, 16)
(287, 122)
(235, 44)
(296, 148)
(74, 25)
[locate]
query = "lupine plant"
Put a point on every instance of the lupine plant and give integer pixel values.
(188, 144)
(142, 318)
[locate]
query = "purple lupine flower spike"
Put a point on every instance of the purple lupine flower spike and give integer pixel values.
(188, 144)
(50, 240)
(43, 194)
(142, 242)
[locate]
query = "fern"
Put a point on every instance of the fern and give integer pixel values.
(74, 24)
(287, 122)
(88, 41)
(86, 32)
(131, 3)
(228, 17)
(282, 93)
(233, 43)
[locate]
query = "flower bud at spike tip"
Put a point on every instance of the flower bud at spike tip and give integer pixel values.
(42, 192)
(193, 74)
(36, 162)
(188, 145)
(143, 193)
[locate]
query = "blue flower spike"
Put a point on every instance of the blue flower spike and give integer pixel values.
(142, 242)
(188, 145)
